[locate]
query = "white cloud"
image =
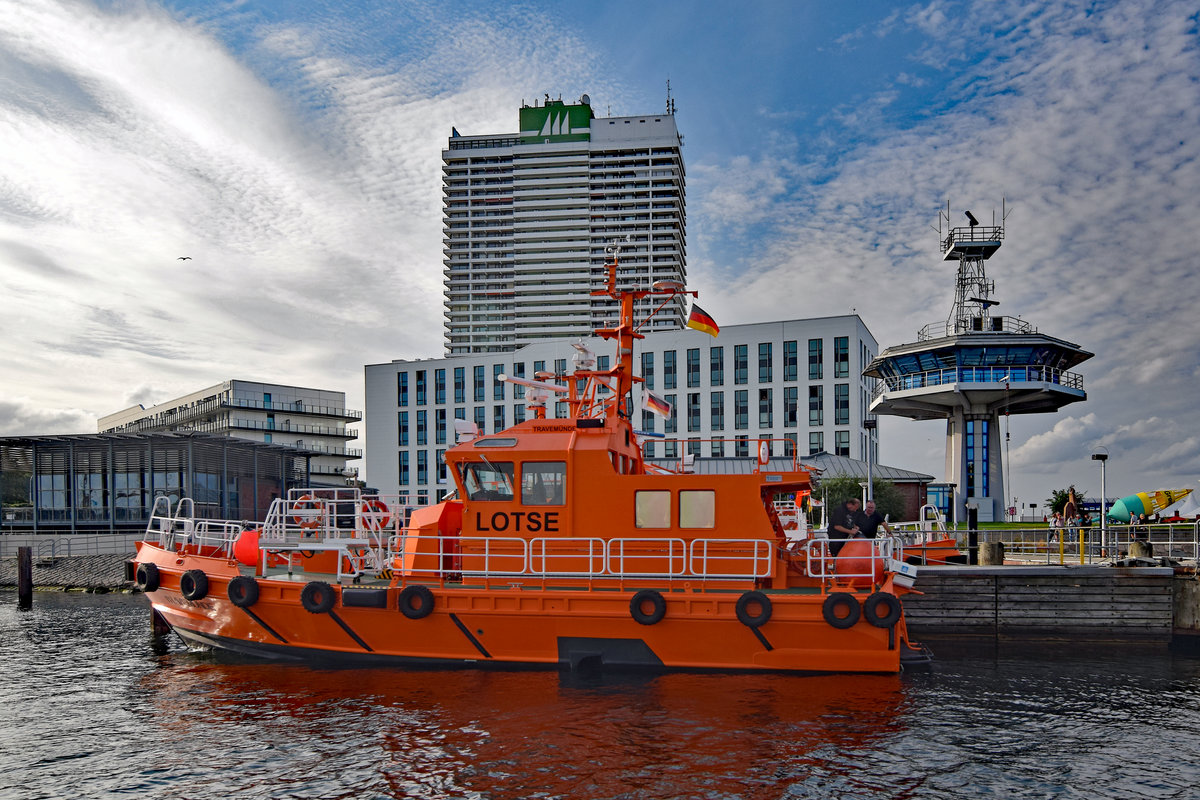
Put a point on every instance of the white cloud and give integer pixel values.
(307, 195)
(1086, 121)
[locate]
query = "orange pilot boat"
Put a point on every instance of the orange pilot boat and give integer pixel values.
(561, 546)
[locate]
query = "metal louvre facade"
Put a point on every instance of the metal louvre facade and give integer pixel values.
(92, 483)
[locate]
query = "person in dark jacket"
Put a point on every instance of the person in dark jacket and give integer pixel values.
(843, 524)
(870, 521)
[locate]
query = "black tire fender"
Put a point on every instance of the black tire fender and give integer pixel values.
(892, 609)
(148, 577)
(416, 601)
(834, 602)
(243, 591)
(652, 597)
(317, 597)
(193, 584)
(743, 609)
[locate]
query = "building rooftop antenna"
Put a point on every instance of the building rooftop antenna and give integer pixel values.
(670, 100)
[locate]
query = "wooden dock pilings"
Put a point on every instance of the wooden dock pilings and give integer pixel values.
(1078, 603)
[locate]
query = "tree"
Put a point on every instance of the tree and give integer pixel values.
(837, 489)
(1057, 500)
(14, 488)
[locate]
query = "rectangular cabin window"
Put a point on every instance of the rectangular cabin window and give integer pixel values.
(697, 509)
(543, 483)
(488, 480)
(652, 509)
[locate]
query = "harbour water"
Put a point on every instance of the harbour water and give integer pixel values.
(95, 707)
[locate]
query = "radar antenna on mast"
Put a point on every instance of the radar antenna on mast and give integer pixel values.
(971, 245)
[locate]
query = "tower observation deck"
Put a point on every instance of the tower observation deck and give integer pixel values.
(973, 368)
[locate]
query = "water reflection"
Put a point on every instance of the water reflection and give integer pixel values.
(98, 706)
(517, 734)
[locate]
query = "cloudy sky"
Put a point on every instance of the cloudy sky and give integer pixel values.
(292, 150)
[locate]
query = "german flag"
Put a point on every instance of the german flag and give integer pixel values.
(658, 405)
(701, 321)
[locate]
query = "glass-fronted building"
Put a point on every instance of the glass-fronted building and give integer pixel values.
(798, 383)
(92, 483)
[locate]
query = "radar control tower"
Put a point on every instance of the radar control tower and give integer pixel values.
(973, 368)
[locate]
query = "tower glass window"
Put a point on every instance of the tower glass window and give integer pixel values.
(790, 361)
(764, 362)
(815, 359)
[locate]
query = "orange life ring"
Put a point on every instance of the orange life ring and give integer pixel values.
(304, 504)
(376, 516)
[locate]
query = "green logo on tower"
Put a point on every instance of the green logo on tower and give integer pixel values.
(556, 122)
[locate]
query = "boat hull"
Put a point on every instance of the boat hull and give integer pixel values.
(519, 626)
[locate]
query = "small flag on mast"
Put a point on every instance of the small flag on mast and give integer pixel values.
(658, 405)
(701, 321)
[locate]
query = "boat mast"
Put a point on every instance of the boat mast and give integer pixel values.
(626, 331)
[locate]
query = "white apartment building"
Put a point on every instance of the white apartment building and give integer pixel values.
(797, 382)
(528, 215)
(311, 420)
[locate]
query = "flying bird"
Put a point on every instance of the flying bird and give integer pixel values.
(184, 258)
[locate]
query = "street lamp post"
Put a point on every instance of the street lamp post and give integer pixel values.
(1102, 458)
(869, 425)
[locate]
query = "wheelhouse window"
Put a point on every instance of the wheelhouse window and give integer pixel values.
(487, 480)
(697, 509)
(652, 509)
(543, 483)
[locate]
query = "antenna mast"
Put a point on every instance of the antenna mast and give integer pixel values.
(971, 245)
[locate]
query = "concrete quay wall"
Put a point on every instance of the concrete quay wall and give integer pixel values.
(92, 572)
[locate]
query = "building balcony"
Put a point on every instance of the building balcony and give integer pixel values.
(293, 407)
(285, 426)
